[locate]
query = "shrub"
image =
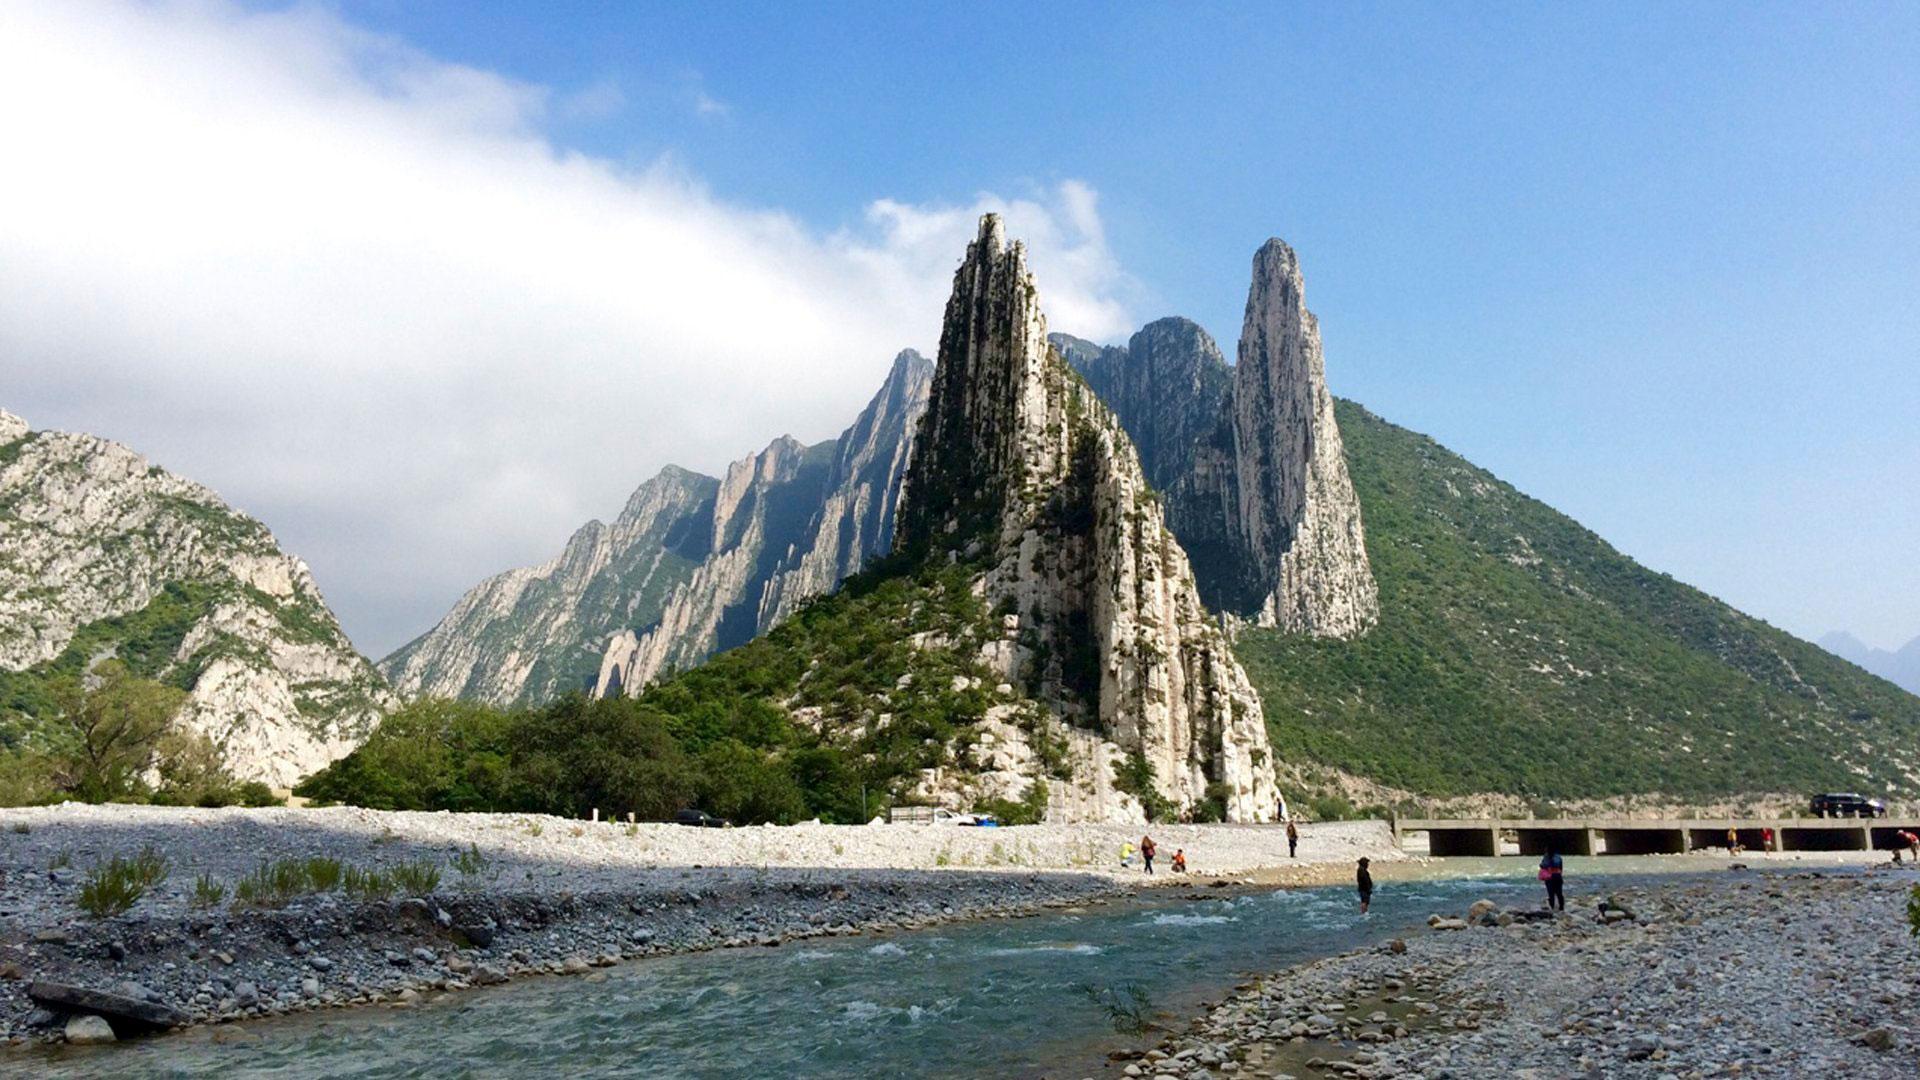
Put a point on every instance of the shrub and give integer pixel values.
(207, 892)
(469, 862)
(416, 878)
(367, 884)
(118, 884)
(273, 884)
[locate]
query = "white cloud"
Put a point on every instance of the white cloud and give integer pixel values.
(712, 107)
(358, 291)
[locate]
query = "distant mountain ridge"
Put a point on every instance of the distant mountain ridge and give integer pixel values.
(1898, 666)
(693, 565)
(103, 554)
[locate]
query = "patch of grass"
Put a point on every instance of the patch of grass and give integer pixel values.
(116, 885)
(470, 862)
(207, 892)
(61, 859)
(416, 878)
(274, 884)
(367, 884)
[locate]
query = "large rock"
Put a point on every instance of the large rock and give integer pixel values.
(1021, 472)
(1248, 458)
(693, 565)
(135, 1012)
(1299, 517)
(99, 541)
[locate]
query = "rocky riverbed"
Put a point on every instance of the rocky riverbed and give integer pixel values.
(1748, 973)
(515, 895)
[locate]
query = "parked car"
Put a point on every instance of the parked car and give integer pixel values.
(701, 819)
(1847, 804)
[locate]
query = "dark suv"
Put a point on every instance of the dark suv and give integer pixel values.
(700, 819)
(1847, 804)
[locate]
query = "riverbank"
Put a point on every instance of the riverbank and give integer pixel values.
(518, 895)
(1745, 973)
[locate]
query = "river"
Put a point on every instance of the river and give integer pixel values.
(993, 998)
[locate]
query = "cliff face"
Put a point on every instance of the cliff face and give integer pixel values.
(104, 555)
(1022, 472)
(1299, 518)
(1248, 457)
(693, 565)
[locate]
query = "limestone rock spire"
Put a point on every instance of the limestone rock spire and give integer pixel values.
(1299, 518)
(1020, 472)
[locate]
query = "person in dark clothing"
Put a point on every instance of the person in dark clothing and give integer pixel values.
(1146, 851)
(1293, 838)
(1550, 869)
(1365, 881)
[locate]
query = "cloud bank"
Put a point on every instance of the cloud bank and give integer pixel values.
(360, 292)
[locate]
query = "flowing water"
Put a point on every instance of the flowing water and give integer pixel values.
(995, 998)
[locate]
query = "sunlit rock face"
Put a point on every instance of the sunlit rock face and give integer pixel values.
(1248, 457)
(1020, 470)
(105, 553)
(692, 565)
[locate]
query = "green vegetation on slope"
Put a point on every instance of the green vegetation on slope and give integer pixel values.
(721, 735)
(1518, 653)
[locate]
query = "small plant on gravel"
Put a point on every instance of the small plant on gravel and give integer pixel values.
(1913, 912)
(469, 862)
(22, 828)
(367, 884)
(1127, 1006)
(579, 830)
(416, 878)
(273, 884)
(61, 859)
(323, 874)
(944, 858)
(535, 829)
(633, 830)
(207, 892)
(118, 884)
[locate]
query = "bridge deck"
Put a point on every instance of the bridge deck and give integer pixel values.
(1648, 836)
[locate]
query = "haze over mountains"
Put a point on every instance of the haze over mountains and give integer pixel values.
(1899, 666)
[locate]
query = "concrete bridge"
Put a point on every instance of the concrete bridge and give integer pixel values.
(1652, 836)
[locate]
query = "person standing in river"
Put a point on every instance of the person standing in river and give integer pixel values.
(1551, 868)
(1146, 852)
(1365, 881)
(1293, 838)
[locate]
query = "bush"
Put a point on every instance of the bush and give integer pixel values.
(273, 884)
(416, 878)
(1030, 810)
(367, 884)
(207, 892)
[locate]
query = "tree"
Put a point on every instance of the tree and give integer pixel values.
(117, 727)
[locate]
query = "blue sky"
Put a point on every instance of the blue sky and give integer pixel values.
(1657, 265)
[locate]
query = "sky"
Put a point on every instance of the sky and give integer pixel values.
(426, 286)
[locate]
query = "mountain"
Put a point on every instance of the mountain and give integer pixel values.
(1900, 666)
(1249, 457)
(105, 555)
(1023, 474)
(1514, 652)
(692, 565)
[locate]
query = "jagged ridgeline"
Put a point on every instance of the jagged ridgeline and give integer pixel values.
(104, 556)
(692, 566)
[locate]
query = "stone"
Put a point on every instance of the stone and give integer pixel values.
(85, 1030)
(1447, 923)
(479, 935)
(136, 1010)
(245, 994)
(1880, 1038)
(1479, 908)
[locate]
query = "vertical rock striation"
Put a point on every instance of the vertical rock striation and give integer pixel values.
(1299, 518)
(1248, 457)
(1022, 472)
(691, 566)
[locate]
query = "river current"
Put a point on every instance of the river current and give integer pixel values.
(994, 998)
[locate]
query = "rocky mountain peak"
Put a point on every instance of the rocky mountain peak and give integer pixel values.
(12, 428)
(1021, 471)
(1299, 520)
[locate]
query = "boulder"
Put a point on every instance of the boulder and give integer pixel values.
(135, 1012)
(1480, 908)
(86, 1029)
(1443, 923)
